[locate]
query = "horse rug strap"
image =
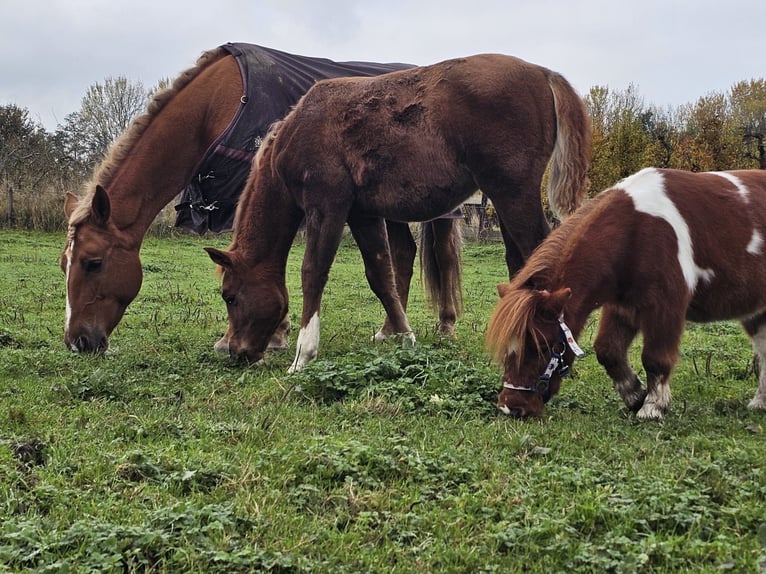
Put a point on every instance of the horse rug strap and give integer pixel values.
(274, 81)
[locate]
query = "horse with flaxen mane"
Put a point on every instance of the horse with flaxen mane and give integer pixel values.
(659, 248)
(404, 146)
(200, 135)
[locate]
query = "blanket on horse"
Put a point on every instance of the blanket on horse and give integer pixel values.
(273, 82)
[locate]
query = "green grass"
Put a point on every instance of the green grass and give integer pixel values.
(164, 457)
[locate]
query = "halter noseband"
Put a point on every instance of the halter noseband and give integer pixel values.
(556, 362)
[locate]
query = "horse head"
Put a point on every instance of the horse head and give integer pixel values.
(528, 336)
(103, 273)
(256, 307)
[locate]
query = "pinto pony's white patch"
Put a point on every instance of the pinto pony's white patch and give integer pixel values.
(307, 345)
(741, 189)
(755, 247)
(647, 190)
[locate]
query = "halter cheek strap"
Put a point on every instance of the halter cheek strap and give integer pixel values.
(556, 362)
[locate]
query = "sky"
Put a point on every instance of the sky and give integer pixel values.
(671, 51)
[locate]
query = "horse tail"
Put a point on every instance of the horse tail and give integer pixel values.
(568, 178)
(429, 262)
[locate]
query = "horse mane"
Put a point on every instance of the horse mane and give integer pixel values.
(514, 313)
(118, 150)
(266, 145)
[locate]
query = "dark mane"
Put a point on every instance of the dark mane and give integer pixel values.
(122, 146)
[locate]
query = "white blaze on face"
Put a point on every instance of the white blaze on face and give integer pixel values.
(68, 254)
(307, 345)
(647, 190)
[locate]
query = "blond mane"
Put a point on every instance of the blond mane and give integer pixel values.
(514, 313)
(105, 172)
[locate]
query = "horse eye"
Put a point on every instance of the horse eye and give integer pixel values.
(230, 299)
(93, 265)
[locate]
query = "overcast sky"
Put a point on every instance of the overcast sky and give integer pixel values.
(672, 51)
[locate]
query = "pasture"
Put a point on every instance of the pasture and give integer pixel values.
(164, 457)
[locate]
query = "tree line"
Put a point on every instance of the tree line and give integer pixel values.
(717, 132)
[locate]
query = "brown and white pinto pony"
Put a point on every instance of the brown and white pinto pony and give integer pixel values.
(156, 157)
(659, 248)
(405, 146)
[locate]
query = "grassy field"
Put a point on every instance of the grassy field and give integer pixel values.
(163, 457)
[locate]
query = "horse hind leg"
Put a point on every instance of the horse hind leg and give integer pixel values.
(440, 246)
(372, 239)
(402, 249)
(617, 330)
(756, 329)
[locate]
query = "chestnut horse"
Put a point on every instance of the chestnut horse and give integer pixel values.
(406, 146)
(659, 248)
(187, 128)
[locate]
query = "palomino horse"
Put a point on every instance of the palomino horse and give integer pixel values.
(202, 133)
(659, 248)
(405, 146)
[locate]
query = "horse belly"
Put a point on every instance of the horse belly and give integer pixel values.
(726, 302)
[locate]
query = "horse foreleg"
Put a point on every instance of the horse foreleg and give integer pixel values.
(440, 245)
(523, 225)
(402, 248)
(372, 240)
(617, 330)
(755, 327)
(323, 235)
(662, 336)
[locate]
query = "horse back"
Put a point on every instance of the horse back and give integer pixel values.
(422, 129)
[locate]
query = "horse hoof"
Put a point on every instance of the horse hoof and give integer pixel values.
(651, 412)
(757, 404)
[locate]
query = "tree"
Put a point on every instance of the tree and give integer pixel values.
(107, 110)
(25, 154)
(748, 104)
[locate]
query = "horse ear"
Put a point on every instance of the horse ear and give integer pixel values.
(70, 204)
(219, 257)
(503, 289)
(100, 206)
(552, 304)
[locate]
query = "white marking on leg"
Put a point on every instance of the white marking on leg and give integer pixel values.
(307, 345)
(758, 402)
(755, 247)
(656, 403)
(647, 190)
(631, 391)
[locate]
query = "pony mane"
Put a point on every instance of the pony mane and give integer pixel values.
(105, 172)
(514, 313)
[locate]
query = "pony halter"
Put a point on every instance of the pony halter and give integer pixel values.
(556, 362)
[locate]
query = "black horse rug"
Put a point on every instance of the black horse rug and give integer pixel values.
(274, 81)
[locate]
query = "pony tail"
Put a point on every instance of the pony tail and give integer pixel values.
(429, 266)
(568, 179)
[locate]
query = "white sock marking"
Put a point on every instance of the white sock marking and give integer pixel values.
(758, 401)
(307, 345)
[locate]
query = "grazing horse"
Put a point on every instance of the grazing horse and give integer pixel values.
(659, 248)
(200, 135)
(404, 146)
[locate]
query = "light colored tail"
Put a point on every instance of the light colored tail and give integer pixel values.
(568, 178)
(429, 265)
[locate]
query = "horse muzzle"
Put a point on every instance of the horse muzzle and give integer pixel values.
(92, 343)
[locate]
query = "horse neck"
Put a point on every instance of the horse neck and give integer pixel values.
(162, 161)
(266, 223)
